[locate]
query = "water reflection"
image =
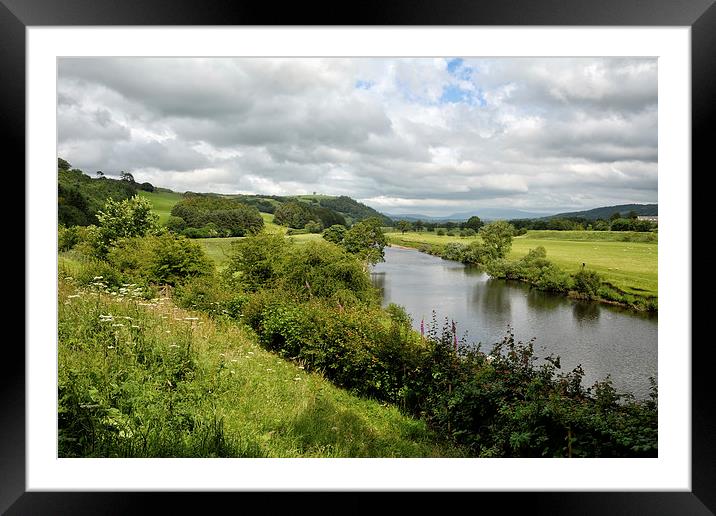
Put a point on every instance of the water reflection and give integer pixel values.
(604, 339)
(585, 312)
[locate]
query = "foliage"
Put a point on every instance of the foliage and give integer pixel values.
(126, 218)
(403, 225)
(473, 223)
(293, 214)
(225, 216)
(166, 259)
(497, 236)
(256, 259)
(334, 234)
(587, 282)
(79, 197)
(313, 227)
(367, 240)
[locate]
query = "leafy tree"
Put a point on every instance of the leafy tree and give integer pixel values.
(99, 174)
(63, 165)
(126, 218)
(313, 227)
(126, 176)
(587, 282)
(616, 215)
(367, 240)
(473, 223)
(176, 224)
(632, 215)
(419, 225)
(403, 226)
(147, 187)
(335, 233)
(497, 236)
(256, 259)
(293, 214)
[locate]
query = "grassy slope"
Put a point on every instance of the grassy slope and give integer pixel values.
(162, 202)
(270, 405)
(630, 266)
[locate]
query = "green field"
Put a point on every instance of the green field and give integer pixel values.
(629, 266)
(162, 202)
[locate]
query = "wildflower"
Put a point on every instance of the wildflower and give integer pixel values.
(73, 296)
(98, 278)
(135, 326)
(117, 324)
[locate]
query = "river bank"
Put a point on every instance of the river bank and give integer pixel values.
(616, 296)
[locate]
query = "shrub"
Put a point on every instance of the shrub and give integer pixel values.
(164, 259)
(313, 227)
(440, 232)
(335, 233)
(454, 251)
(587, 282)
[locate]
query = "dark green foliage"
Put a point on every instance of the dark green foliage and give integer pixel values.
(328, 217)
(293, 214)
(175, 224)
(403, 225)
(500, 404)
(166, 259)
(497, 236)
(454, 251)
(367, 240)
(473, 223)
(63, 164)
(79, 197)
(355, 210)
(533, 268)
(313, 227)
(257, 260)
(147, 187)
(334, 234)
(212, 215)
(587, 282)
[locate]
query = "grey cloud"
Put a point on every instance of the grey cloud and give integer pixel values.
(548, 133)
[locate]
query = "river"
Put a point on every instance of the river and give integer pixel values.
(604, 339)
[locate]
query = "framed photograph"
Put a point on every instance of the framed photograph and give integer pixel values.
(380, 114)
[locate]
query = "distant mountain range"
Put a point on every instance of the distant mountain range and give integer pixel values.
(507, 213)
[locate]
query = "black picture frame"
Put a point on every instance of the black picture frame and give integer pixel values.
(699, 15)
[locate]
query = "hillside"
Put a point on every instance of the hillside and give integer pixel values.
(79, 197)
(606, 211)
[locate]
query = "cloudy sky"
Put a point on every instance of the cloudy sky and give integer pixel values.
(429, 136)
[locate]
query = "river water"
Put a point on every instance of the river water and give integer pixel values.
(604, 339)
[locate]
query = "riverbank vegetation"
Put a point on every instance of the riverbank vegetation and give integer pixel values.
(626, 263)
(219, 367)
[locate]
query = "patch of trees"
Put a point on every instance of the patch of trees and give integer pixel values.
(79, 197)
(206, 216)
(354, 209)
(615, 223)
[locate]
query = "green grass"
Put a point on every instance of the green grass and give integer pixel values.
(162, 202)
(160, 367)
(628, 265)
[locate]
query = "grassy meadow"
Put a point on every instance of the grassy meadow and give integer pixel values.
(623, 258)
(162, 364)
(162, 202)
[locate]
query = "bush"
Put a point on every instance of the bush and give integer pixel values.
(335, 233)
(454, 251)
(313, 227)
(67, 238)
(587, 282)
(440, 232)
(165, 259)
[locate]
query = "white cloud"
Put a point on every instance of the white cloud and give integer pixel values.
(433, 134)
